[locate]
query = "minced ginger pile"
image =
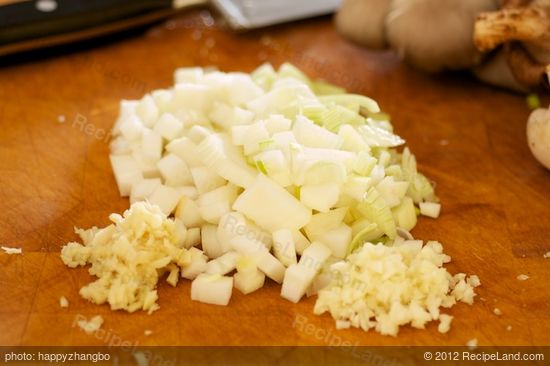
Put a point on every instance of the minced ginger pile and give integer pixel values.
(129, 256)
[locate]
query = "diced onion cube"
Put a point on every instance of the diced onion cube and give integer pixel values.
(188, 212)
(151, 145)
(162, 98)
(131, 128)
(300, 241)
(147, 110)
(321, 197)
(296, 281)
(166, 198)
(188, 75)
(283, 247)
(269, 265)
(247, 282)
(193, 237)
(337, 240)
(212, 247)
(314, 256)
(197, 265)
(143, 189)
(430, 209)
(174, 171)
(168, 126)
(127, 172)
(186, 150)
(223, 264)
(212, 289)
(214, 204)
(405, 214)
(206, 180)
(278, 208)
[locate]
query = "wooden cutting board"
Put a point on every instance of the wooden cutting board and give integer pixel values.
(55, 174)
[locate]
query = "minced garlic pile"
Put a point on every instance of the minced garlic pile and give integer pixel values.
(129, 256)
(383, 287)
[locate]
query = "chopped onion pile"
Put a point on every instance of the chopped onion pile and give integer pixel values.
(268, 174)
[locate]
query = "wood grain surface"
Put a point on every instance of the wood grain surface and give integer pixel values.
(468, 138)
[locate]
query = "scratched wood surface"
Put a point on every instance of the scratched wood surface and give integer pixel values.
(54, 175)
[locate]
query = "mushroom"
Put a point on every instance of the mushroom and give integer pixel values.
(538, 135)
(513, 67)
(523, 27)
(508, 45)
(432, 35)
(525, 23)
(362, 21)
(496, 71)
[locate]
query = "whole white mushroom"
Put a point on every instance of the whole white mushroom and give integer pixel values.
(538, 135)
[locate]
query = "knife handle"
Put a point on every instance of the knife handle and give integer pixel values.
(23, 20)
